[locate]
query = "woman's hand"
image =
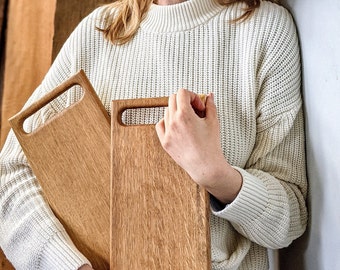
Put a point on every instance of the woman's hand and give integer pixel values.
(194, 143)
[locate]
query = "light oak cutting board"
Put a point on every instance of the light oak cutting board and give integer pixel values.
(160, 217)
(70, 156)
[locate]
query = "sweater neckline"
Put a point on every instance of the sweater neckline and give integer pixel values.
(180, 17)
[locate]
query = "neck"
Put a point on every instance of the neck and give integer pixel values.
(181, 16)
(168, 2)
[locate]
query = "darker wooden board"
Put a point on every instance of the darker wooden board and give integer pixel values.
(70, 156)
(27, 54)
(160, 217)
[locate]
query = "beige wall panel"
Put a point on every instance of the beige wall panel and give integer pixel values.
(28, 53)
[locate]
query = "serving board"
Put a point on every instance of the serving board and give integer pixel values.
(156, 217)
(70, 156)
(160, 217)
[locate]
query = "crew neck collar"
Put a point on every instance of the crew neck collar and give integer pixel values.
(180, 17)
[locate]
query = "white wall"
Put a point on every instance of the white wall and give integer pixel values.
(318, 23)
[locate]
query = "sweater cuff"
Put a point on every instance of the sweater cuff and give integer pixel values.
(60, 253)
(249, 204)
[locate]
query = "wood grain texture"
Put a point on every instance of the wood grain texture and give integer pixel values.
(28, 52)
(160, 217)
(70, 155)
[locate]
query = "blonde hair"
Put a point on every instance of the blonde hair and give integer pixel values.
(123, 17)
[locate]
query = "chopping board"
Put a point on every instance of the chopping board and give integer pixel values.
(70, 156)
(160, 217)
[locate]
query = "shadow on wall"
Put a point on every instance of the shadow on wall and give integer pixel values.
(292, 258)
(318, 28)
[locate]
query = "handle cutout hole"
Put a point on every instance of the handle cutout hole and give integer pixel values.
(142, 116)
(54, 108)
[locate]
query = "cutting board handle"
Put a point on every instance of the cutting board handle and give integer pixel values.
(17, 121)
(119, 106)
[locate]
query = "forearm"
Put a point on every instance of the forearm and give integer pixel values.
(222, 181)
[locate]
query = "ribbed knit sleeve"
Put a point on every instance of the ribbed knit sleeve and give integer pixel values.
(270, 209)
(30, 235)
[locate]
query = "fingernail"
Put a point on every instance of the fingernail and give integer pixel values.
(212, 96)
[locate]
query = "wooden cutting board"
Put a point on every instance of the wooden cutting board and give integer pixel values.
(160, 217)
(70, 156)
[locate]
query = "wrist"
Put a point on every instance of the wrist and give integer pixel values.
(225, 184)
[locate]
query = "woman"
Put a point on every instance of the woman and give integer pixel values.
(248, 151)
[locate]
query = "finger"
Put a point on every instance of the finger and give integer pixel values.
(160, 129)
(172, 104)
(166, 118)
(199, 102)
(187, 98)
(210, 107)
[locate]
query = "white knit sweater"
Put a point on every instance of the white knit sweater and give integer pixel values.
(253, 69)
